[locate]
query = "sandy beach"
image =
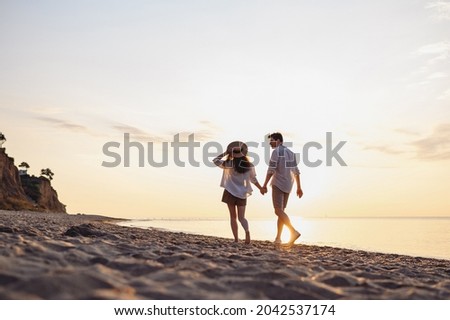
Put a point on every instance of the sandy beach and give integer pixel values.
(63, 256)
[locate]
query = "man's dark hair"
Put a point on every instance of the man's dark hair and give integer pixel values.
(276, 136)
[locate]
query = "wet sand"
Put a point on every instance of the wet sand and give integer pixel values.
(63, 256)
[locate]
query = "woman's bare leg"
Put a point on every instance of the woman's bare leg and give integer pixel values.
(244, 223)
(233, 221)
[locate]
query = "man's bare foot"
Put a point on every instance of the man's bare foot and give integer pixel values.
(294, 237)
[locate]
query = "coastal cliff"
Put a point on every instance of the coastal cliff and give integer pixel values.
(25, 192)
(12, 195)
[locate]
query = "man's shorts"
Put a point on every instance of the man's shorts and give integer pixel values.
(279, 198)
(228, 198)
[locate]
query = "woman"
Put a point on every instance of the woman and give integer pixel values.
(238, 174)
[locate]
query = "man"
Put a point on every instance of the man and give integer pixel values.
(283, 171)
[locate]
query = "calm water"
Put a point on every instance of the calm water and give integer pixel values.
(423, 237)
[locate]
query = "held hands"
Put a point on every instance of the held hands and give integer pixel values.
(263, 190)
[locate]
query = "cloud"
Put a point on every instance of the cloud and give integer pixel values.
(433, 58)
(437, 75)
(440, 9)
(208, 131)
(52, 116)
(203, 134)
(393, 149)
(438, 51)
(434, 48)
(138, 134)
(407, 131)
(63, 124)
(209, 124)
(199, 135)
(436, 146)
(47, 111)
(445, 95)
(384, 149)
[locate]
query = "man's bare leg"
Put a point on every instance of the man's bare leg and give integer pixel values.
(284, 219)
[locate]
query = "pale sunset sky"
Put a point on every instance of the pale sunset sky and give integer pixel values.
(75, 75)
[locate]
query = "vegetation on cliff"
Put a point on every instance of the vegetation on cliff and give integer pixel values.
(21, 191)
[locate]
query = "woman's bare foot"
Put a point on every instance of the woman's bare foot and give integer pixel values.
(247, 237)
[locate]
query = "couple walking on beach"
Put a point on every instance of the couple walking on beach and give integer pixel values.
(239, 173)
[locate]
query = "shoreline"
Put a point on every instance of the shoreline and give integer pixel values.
(404, 242)
(78, 256)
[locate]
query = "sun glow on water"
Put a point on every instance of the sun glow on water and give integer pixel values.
(425, 237)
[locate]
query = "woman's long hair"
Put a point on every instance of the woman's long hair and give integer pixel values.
(240, 165)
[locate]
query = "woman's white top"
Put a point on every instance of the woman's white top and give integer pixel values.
(238, 184)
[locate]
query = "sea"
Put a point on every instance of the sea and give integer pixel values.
(412, 236)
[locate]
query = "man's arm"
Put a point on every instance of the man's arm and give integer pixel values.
(299, 187)
(254, 180)
(256, 183)
(268, 177)
(271, 170)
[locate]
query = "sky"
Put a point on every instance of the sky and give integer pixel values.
(79, 77)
